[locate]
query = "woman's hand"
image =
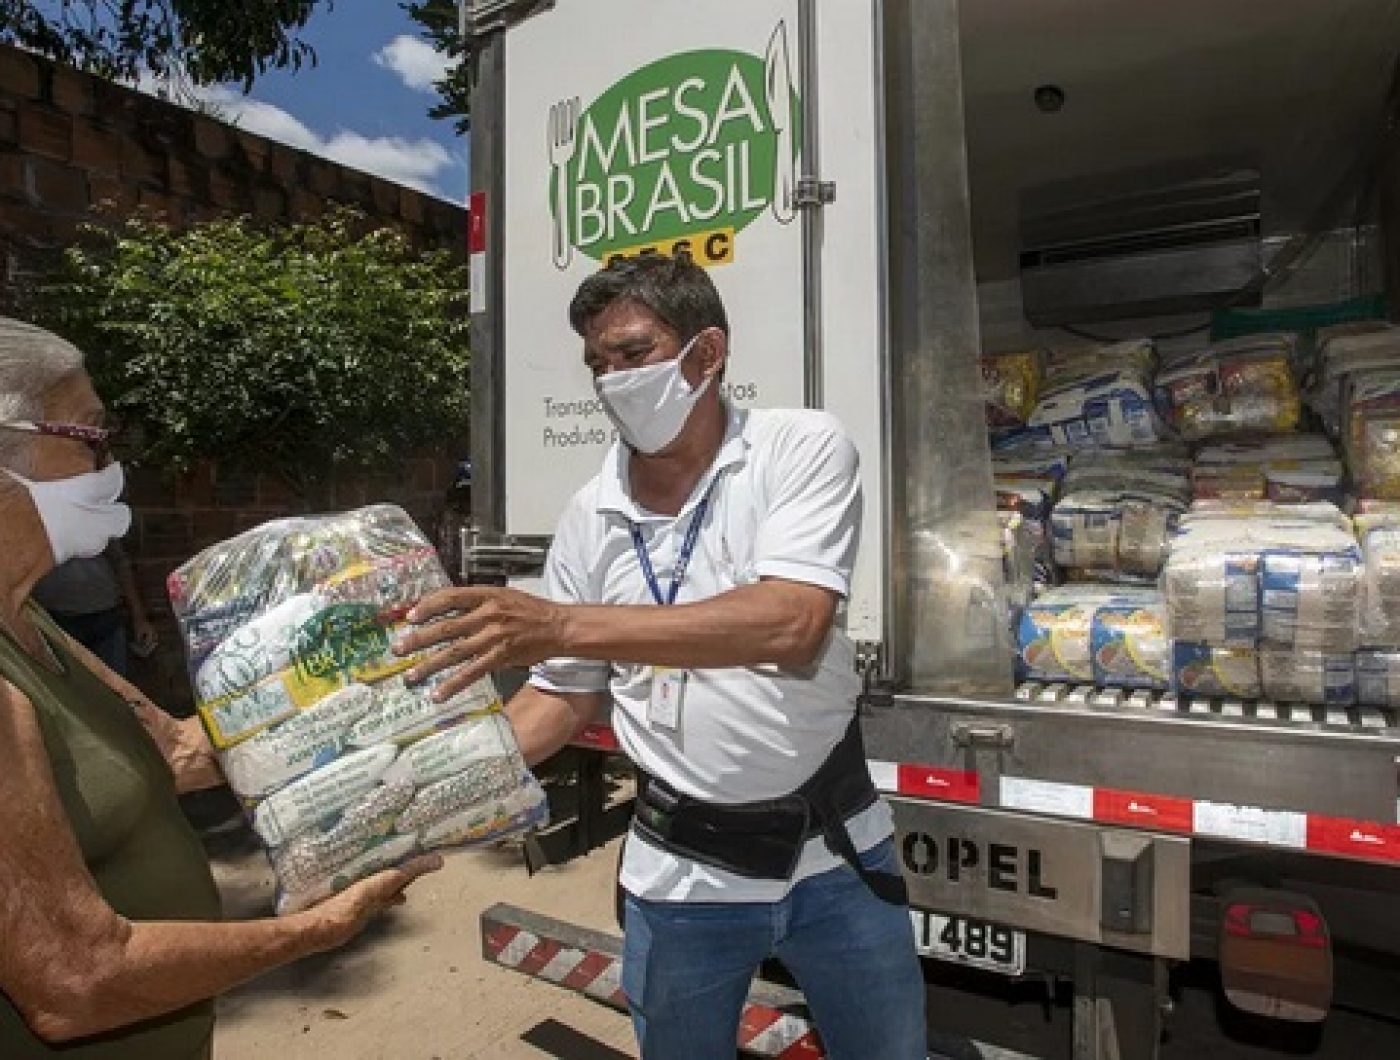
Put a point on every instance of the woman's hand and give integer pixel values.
(344, 915)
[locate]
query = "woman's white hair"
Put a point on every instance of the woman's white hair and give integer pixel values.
(32, 361)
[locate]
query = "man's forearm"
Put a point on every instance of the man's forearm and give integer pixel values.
(777, 623)
(544, 722)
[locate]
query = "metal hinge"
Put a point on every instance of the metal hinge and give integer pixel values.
(870, 665)
(811, 193)
(479, 18)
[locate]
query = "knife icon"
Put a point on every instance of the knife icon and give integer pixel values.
(777, 87)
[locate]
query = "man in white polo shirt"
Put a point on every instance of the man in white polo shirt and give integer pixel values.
(699, 580)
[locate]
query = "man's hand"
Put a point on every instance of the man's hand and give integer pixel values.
(482, 630)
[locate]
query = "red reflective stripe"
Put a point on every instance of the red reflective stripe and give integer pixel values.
(808, 1047)
(948, 785)
(755, 1020)
(1144, 811)
(476, 223)
(587, 970)
(498, 938)
(1338, 835)
(544, 952)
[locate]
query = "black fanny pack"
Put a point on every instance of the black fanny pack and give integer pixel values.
(764, 840)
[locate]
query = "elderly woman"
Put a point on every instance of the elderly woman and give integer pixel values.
(110, 938)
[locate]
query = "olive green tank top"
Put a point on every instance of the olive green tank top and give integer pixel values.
(119, 797)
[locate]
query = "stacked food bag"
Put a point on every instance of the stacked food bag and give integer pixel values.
(1265, 599)
(1246, 385)
(1012, 382)
(1113, 636)
(1097, 397)
(1287, 468)
(1117, 511)
(344, 767)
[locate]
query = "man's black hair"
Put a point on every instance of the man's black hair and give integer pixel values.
(677, 290)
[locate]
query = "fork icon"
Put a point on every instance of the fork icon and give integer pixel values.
(561, 134)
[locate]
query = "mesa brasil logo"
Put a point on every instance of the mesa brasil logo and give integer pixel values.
(682, 154)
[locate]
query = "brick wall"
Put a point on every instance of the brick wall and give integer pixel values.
(70, 143)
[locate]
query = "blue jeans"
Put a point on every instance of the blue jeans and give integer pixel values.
(687, 967)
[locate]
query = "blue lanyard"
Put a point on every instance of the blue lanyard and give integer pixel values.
(692, 535)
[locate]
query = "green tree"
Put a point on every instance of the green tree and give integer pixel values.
(297, 350)
(206, 41)
(439, 21)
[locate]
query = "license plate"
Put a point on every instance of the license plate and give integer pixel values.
(974, 943)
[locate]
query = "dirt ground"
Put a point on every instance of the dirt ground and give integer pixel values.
(415, 986)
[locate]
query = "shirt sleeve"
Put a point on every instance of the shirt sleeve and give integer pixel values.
(810, 530)
(566, 581)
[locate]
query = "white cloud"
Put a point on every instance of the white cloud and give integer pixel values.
(417, 163)
(414, 60)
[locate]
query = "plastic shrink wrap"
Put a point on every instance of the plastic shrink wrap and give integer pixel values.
(1246, 385)
(1100, 397)
(344, 768)
(1104, 635)
(1118, 512)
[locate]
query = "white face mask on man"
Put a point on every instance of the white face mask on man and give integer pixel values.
(80, 514)
(650, 405)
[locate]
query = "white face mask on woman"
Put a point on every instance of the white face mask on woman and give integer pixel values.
(649, 405)
(81, 514)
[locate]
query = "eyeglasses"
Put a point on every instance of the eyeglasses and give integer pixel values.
(98, 439)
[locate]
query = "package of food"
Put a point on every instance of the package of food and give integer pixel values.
(1215, 673)
(1130, 645)
(1098, 398)
(1012, 384)
(1371, 433)
(1319, 678)
(1118, 512)
(1311, 601)
(343, 767)
(1378, 678)
(1237, 387)
(1106, 635)
(1054, 634)
(1343, 353)
(1379, 534)
(1293, 469)
(1238, 573)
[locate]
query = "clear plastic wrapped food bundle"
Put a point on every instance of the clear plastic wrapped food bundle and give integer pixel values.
(1246, 385)
(343, 767)
(1378, 678)
(1244, 572)
(1118, 511)
(1012, 382)
(1100, 397)
(1379, 534)
(1293, 469)
(1109, 636)
(1209, 672)
(1346, 351)
(1318, 678)
(1371, 432)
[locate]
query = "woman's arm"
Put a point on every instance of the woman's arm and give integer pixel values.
(74, 967)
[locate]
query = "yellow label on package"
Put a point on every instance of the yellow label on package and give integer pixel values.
(233, 718)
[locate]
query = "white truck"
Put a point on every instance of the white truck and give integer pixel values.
(883, 188)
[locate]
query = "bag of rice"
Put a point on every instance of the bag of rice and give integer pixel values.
(343, 767)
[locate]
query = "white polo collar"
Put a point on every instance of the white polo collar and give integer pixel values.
(613, 495)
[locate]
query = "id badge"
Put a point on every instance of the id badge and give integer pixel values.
(667, 695)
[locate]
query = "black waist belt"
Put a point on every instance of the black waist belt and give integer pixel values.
(764, 840)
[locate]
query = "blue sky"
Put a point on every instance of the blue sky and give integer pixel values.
(364, 104)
